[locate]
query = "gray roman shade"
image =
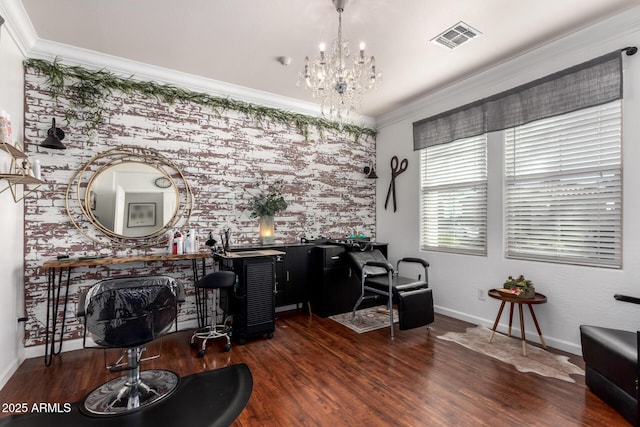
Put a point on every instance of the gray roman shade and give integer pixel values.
(591, 83)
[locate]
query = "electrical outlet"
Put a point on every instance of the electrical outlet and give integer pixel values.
(482, 294)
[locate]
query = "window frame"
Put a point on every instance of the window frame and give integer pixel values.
(588, 231)
(460, 241)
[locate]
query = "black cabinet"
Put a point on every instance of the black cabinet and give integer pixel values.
(316, 273)
(334, 289)
(292, 272)
(292, 275)
(253, 298)
(335, 286)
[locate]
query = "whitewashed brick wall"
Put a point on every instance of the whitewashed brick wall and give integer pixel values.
(219, 154)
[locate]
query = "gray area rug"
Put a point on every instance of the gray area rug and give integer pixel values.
(367, 319)
(509, 350)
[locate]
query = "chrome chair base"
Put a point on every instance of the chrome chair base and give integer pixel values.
(211, 333)
(131, 392)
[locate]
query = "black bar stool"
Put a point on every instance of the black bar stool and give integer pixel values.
(216, 281)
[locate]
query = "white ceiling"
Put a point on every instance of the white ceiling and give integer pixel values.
(238, 41)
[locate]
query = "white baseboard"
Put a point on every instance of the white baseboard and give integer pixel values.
(71, 345)
(8, 372)
(504, 328)
(76, 344)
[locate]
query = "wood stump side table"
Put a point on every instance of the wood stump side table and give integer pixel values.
(505, 298)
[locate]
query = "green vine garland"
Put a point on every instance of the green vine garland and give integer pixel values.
(89, 90)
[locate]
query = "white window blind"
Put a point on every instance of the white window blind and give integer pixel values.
(564, 190)
(454, 196)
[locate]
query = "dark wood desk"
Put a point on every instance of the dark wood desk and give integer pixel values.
(62, 266)
(505, 298)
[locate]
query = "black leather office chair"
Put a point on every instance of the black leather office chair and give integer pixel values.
(378, 277)
(215, 281)
(129, 312)
(611, 362)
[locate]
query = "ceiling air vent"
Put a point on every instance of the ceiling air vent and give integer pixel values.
(456, 35)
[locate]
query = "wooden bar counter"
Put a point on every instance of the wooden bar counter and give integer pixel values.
(93, 261)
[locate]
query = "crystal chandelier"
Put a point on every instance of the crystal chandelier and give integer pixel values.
(338, 86)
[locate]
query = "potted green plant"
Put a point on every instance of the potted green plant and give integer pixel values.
(520, 286)
(268, 201)
(265, 205)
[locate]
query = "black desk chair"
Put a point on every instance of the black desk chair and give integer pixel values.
(129, 312)
(413, 296)
(611, 362)
(215, 281)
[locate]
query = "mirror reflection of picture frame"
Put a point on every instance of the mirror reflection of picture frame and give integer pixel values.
(141, 215)
(92, 200)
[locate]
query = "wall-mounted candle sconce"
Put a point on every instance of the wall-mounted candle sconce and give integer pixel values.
(54, 137)
(370, 172)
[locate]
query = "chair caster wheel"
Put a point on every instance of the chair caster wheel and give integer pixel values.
(270, 335)
(226, 347)
(193, 345)
(200, 353)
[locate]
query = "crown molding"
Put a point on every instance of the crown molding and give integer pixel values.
(71, 55)
(22, 31)
(18, 25)
(592, 41)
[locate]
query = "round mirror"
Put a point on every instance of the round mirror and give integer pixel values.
(131, 199)
(128, 196)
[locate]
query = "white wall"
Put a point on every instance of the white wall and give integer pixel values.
(11, 217)
(576, 295)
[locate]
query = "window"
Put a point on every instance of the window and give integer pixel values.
(563, 189)
(454, 196)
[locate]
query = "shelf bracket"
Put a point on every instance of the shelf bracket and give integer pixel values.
(19, 175)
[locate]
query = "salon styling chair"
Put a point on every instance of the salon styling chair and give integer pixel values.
(127, 313)
(378, 277)
(216, 281)
(611, 365)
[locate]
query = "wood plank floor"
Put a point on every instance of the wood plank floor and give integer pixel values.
(315, 372)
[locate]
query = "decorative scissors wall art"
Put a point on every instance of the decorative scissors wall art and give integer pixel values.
(396, 169)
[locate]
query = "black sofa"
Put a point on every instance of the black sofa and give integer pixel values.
(611, 365)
